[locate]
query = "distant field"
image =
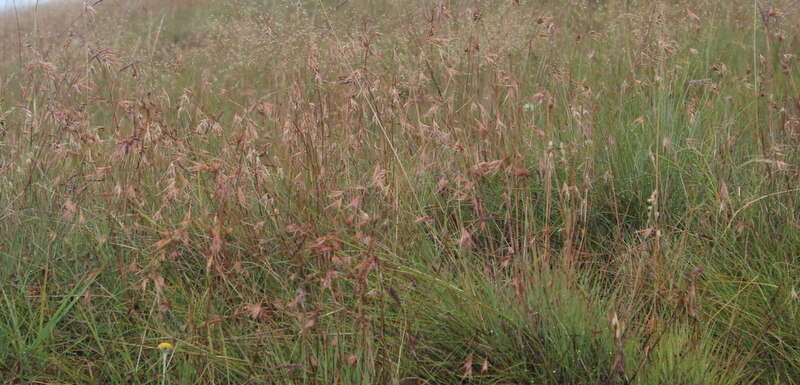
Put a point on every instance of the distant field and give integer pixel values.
(400, 192)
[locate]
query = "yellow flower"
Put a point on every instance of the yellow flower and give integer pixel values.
(165, 346)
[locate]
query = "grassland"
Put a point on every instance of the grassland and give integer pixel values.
(400, 192)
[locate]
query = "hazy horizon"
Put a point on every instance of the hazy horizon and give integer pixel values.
(20, 3)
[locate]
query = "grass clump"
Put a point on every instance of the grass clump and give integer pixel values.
(384, 192)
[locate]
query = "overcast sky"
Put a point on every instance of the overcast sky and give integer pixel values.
(9, 3)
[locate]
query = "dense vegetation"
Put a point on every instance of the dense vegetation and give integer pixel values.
(400, 192)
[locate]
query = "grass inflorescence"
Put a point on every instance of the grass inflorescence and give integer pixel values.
(400, 192)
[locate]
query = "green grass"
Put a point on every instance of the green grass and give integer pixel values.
(385, 192)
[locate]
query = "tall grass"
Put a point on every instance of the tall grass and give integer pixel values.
(385, 192)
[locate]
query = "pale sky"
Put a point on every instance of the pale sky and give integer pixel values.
(9, 3)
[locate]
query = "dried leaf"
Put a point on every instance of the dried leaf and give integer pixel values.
(299, 299)
(465, 240)
(330, 276)
(256, 311)
(158, 283)
(297, 229)
(216, 237)
(424, 219)
(468, 366)
(70, 208)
